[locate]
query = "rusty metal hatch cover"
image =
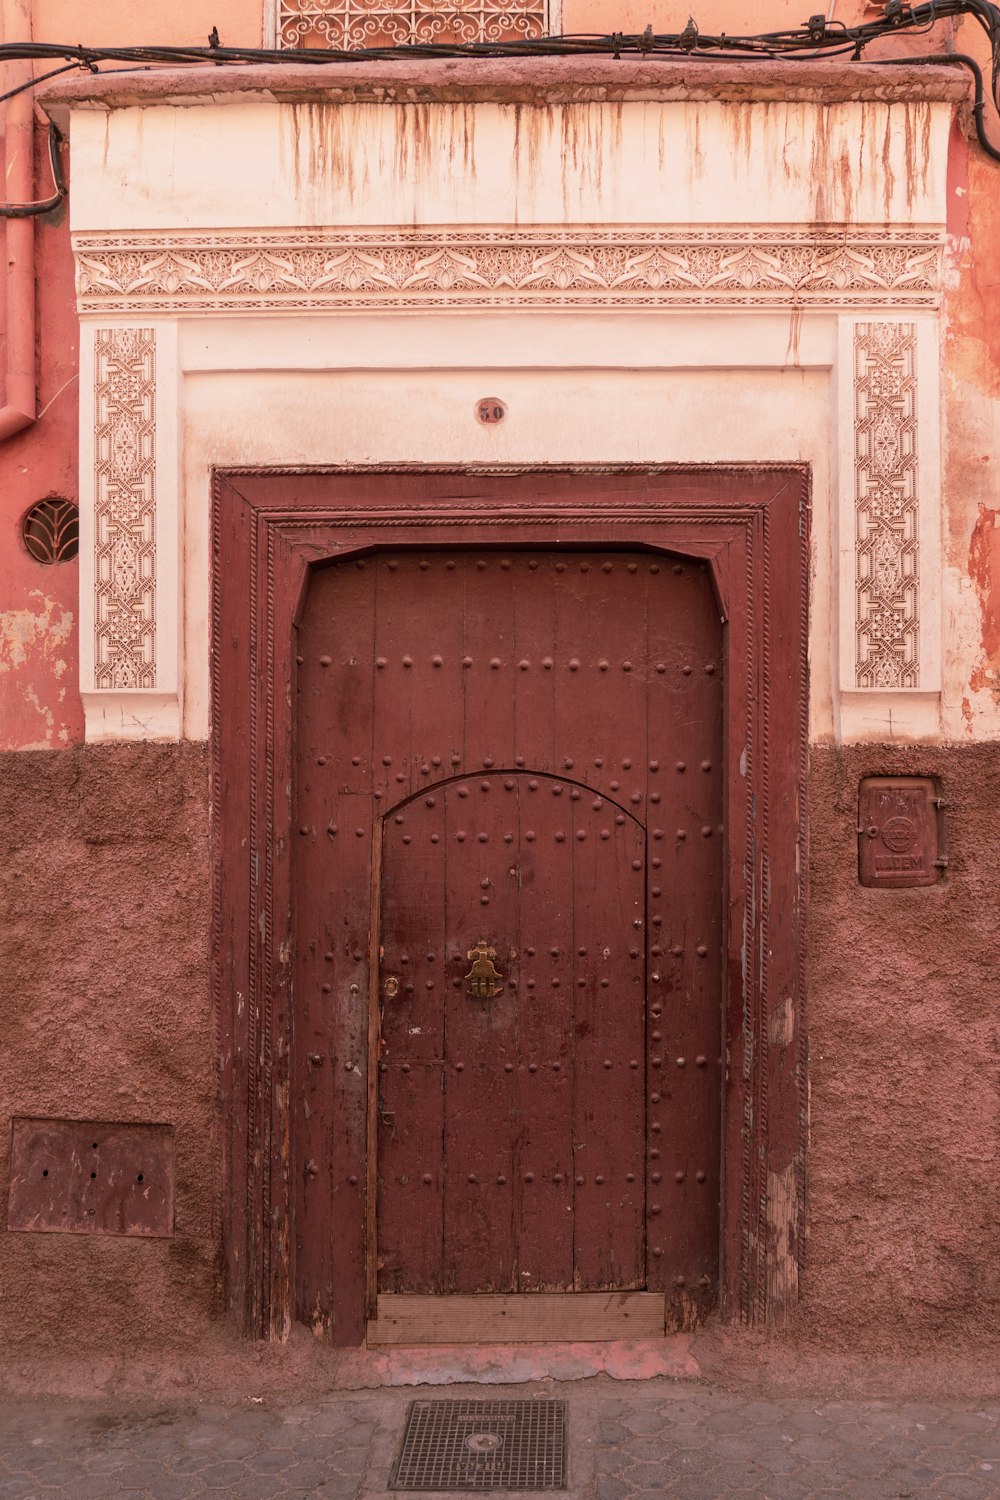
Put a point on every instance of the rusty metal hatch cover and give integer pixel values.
(483, 1445)
(900, 831)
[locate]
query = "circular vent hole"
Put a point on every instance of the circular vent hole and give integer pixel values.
(51, 530)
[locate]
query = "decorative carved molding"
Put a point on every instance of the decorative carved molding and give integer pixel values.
(643, 266)
(887, 575)
(755, 537)
(125, 508)
(345, 25)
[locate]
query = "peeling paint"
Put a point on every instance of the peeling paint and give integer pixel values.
(781, 1023)
(21, 630)
(984, 569)
(31, 663)
(783, 1261)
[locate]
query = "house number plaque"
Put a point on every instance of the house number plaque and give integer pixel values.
(490, 409)
(899, 832)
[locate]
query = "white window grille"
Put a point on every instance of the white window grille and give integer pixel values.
(346, 25)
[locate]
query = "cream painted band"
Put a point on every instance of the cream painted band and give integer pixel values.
(638, 266)
(353, 390)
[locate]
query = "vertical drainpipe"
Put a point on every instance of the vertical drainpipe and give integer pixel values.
(19, 409)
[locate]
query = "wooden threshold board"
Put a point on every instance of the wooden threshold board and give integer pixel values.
(533, 1318)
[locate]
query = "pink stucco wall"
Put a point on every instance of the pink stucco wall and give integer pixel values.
(39, 696)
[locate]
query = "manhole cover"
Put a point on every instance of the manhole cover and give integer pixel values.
(483, 1445)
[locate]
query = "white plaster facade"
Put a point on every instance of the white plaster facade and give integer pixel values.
(663, 277)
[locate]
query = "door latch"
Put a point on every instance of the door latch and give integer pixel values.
(483, 979)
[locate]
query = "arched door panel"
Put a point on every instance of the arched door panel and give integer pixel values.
(511, 1083)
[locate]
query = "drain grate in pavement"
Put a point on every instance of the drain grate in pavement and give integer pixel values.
(483, 1445)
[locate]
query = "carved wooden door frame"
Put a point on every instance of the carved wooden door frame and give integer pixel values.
(751, 525)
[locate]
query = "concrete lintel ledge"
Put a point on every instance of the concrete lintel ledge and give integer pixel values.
(533, 81)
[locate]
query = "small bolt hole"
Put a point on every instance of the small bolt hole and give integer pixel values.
(94, 1146)
(139, 1178)
(45, 1173)
(93, 1175)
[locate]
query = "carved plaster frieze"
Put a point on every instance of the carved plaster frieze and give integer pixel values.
(716, 266)
(125, 508)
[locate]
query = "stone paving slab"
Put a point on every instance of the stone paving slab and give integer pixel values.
(677, 1440)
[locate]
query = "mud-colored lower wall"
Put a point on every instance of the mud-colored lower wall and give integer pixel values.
(105, 1014)
(904, 1042)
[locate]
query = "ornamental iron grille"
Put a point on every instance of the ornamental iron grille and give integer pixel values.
(51, 530)
(349, 25)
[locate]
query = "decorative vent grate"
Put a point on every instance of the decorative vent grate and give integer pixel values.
(51, 530)
(483, 1445)
(347, 25)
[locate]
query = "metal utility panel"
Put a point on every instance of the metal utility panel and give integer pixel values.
(899, 832)
(78, 1177)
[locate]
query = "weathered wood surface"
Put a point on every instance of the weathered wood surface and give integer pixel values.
(537, 1319)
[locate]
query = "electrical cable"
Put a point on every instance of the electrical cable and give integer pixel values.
(32, 83)
(819, 37)
(45, 205)
(963, 60)
(816, 32)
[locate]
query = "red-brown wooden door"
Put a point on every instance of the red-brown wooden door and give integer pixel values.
(462, 716)
(512, 1127)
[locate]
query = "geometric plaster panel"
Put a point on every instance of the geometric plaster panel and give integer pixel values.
(890, 552)
(888, 549)
(749, 266)
(125, 508)
(130, 605)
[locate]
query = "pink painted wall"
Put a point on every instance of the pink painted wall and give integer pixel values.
(904, 1196)
(109, 23)
(39, 698)
(39, 705)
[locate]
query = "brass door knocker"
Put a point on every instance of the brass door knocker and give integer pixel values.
(483, 979)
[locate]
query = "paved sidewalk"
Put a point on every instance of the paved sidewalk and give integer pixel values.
(676, 1439)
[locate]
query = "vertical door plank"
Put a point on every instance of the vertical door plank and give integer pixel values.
(601, 673)
(480, 1038)
(488, 661)
(409, 1240)
(534, 663)
(391, 670)
(609, 1116)
(336, 638)
(544, 1144)
(426, 591)
(410, 1104)
(685, 900)
(332, 894)
(413, 937)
